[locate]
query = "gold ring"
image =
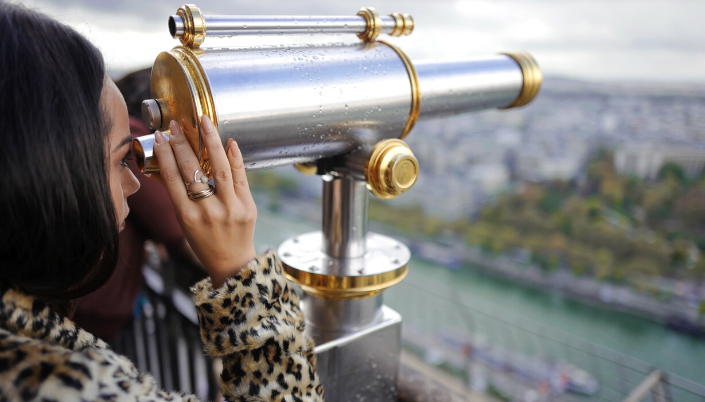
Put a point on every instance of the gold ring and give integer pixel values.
(374, 24)
(199, 195)
(344, 288)
(194, 25)
(415, 92)
(532, 78)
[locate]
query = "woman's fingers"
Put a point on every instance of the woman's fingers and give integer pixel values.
(237, 167)
(220, 168)
(168, 169)
(185, 158)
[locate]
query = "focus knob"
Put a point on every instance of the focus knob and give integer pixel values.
(391, 169)
(155, 114)
(151, 115)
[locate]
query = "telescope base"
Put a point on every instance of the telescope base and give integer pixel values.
(360, 366)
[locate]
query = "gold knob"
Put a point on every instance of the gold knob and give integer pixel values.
(391, 169)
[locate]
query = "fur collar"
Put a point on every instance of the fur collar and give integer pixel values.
(27, 316)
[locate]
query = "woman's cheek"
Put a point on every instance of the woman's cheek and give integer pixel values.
(116, 192)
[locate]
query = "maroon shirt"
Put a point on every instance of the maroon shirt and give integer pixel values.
(106, 311)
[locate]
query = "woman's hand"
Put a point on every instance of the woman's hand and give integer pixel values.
(219, 228)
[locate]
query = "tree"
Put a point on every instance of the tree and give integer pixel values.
(674, 170)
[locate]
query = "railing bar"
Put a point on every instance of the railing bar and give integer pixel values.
(684, 384)
(493, 317)
(678, 383)
(634, 361)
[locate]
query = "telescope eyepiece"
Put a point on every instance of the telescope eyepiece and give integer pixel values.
(176, 26)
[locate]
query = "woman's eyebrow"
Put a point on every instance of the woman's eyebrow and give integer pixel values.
(124, 141)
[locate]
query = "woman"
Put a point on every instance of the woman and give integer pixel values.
(151, 218)
(65, 141)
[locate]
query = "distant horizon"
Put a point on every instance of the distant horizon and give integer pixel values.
(640, 41)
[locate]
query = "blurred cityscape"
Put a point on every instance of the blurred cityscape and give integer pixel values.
(594, 191)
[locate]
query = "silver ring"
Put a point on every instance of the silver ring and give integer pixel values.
(202, 179)
(199, 195)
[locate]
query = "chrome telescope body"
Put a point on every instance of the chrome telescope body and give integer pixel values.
(191, 26)
(228, 26)
(305, 103)
(340, 111)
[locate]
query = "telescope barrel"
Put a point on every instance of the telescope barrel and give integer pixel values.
(234, 25)
(191, 27)
(300, 104)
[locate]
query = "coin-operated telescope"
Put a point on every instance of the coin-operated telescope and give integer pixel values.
(340, 111)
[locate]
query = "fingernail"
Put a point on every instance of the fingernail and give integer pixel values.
(174, 128)
(148, 175)
(208, 125)
(159, 137)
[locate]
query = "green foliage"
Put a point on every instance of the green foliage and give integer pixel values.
(495, 392)
(268, 180)
(674, 171)
(612, 226)
(409, 219)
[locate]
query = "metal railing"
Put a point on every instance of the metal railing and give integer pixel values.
(431, 316)
(164, 341)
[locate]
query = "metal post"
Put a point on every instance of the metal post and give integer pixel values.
(345, 203)
(645, 387)
(343, 270)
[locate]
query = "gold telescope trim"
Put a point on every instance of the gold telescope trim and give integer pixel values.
(404, 24)
(415, 91)
(183, 94)
(194, 25)
(532, 78)
(345, 287)
(374, 24)
(307, 168)
(391, 169)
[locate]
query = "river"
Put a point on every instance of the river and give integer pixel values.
(511, 302)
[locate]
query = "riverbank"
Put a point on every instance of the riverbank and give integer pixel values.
(588, 290)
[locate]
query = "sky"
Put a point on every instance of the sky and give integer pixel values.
(594, 40)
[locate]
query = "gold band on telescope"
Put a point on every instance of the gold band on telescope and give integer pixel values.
(180, 84)
(202, 94)
(194, 25)
(374, 24)
(307, 168)
(344, 287)
(403, 24)
(415, 92)
(532, 78)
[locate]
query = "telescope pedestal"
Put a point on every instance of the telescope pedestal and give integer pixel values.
(363, 364)
(343, 271)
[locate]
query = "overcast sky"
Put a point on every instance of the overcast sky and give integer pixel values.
(634, 40)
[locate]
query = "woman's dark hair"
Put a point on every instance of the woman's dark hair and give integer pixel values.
(58, 225)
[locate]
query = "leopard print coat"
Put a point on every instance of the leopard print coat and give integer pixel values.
(253, 322)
